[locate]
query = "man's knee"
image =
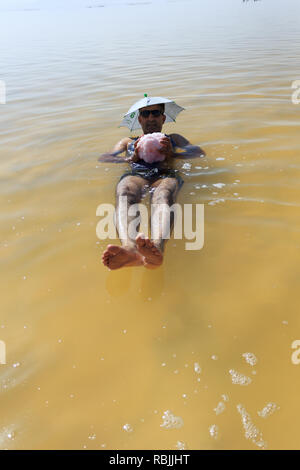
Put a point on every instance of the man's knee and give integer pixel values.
(164, 196)
(130, 190)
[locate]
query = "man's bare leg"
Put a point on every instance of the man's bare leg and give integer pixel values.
(116, 256)
(165, 193)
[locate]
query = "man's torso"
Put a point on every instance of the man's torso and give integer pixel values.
(167, 163)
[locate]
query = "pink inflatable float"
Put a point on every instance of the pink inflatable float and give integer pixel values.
(148, 147)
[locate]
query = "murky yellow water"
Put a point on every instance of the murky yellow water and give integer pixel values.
(89, 351)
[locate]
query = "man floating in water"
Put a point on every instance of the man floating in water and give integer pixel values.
(163, 181)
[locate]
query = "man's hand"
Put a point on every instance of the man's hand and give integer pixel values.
(166, 147)
(113, 156)
(135, 156)
(191, 151)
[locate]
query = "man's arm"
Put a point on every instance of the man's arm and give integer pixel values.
(189, 151)
(113, 156)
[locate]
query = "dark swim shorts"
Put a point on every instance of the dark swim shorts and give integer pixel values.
(153, 174)
(151, 171)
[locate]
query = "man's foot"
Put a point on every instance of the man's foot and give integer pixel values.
(153, 257)
(115, 257)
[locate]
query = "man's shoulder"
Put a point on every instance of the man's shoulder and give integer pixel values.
(126, 140)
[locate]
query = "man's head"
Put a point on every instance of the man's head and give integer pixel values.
(152, 118)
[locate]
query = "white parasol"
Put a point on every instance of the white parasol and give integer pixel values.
(131, 117)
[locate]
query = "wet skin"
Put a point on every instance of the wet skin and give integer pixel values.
(143, 251)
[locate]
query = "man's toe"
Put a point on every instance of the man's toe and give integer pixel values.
(140, 240)
(113, 249)
(148, 243)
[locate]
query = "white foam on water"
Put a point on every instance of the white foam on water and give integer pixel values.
(7, 434)
(251, 431)
(216, 201)
(214, 431)
(197, 368)
(239, 379)
(250, 358)
(186, 166)
(268, 410)
(127, 427)
(180, 445)
(170, 421)
(220, 408)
